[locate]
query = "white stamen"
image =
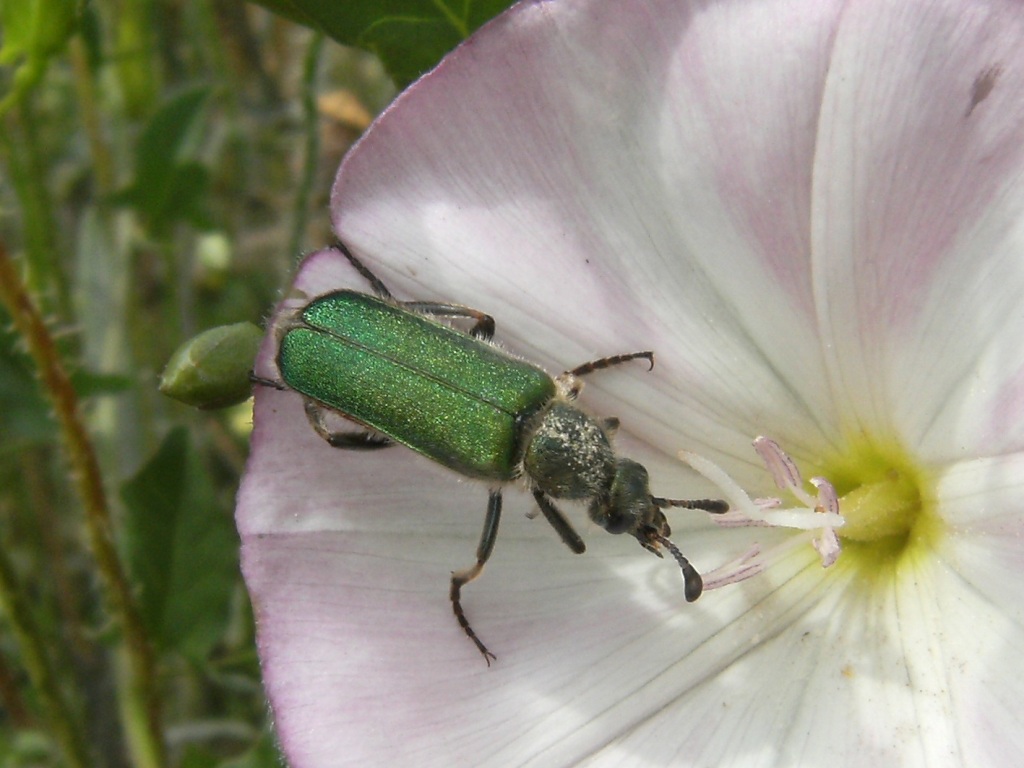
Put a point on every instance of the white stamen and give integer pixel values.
(746, 511)
(827, 546)
(781, 467)
(827, 498)
(743, 567)
(818, 515)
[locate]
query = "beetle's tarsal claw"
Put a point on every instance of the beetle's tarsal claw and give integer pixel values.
(459, 580)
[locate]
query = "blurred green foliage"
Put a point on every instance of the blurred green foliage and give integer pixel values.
(161, 162)
(409, 36)
(179, 544)
(33, 32)
(167, 188)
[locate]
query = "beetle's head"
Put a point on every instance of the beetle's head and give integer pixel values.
(629, 507)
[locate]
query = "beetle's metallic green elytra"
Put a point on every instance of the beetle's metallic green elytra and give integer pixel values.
(454, 399)
(466, 404)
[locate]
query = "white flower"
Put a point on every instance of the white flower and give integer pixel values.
(812, 212)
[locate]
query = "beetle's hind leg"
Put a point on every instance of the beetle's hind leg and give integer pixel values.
(364, 440)
(264, 382)
(462, 578)
(375, 282)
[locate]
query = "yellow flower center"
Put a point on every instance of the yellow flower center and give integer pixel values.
(887, 501)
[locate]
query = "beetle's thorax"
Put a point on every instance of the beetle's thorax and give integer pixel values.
(567, 453)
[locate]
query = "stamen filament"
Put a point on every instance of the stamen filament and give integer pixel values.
(818, 516)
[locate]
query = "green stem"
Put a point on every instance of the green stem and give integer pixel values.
(19, 140)
(11, 700)
(44, 519)
(311, 118)
(146, 743)
(459, 25)
(66, 729)
(85, 89)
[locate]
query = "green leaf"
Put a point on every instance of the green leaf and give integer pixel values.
(409, 36)
(181, 548)
(24, 413)
(197, 756)
(167, 187)
(34, 27)
(34, 31)
(263, 754)
(90, 384)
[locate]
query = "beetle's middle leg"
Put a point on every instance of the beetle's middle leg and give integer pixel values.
(359, 441)
(375, 282)
(462, 578)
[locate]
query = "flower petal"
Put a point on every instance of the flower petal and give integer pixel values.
(599, 209)
(982, 501)
(919, 222)
(364, 663)
(347, 557)
(658, 203)
(964, 662)
(827, 672)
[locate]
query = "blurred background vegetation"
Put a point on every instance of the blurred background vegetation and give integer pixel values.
(163, 164)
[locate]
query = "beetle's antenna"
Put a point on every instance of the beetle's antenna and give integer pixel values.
(608, 362)
(694, 584)
(714, 506)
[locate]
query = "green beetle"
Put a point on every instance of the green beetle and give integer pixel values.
(462, 402)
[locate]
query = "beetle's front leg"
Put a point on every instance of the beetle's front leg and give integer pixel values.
(560, 523)
(462, 578)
